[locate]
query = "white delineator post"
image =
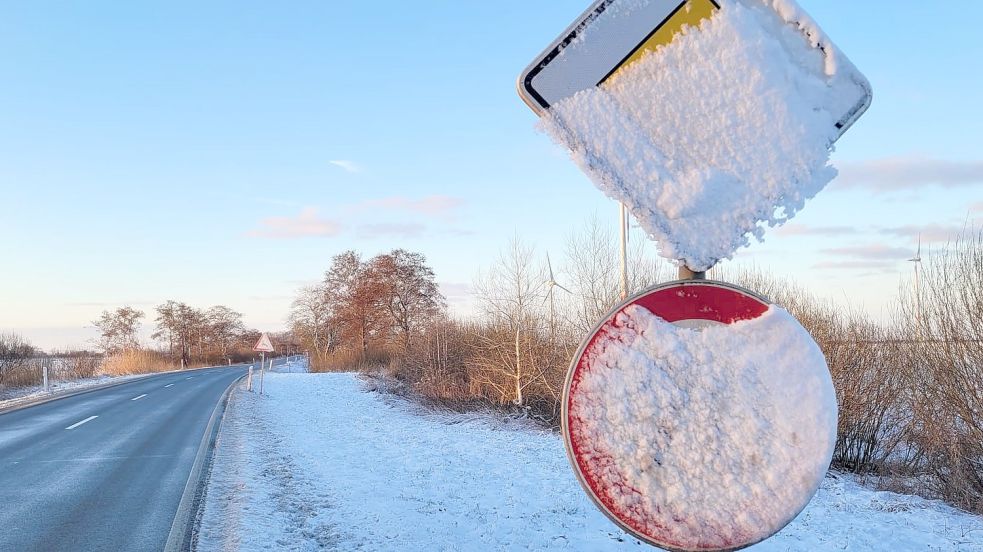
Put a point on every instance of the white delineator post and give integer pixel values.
(249, 380)
(44, 374)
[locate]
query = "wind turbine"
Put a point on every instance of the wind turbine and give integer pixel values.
(551, 284)
(917, 259)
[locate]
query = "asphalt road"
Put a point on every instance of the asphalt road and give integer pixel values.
(105, 470)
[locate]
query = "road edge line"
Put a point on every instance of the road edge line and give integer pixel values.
(71, 393)
(75, 392)
(179, 539)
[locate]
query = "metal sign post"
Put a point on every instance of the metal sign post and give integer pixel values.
(262, 371)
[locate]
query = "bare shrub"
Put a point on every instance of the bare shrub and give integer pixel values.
(25, 374)
(73, 365)
(942, 321)
(15, 357)
(373, 359)
(438, 364)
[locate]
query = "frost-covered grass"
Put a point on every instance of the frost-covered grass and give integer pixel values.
(320, 463)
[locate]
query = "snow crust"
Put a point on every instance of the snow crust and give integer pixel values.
(722, 132)
(704, 439)
(319, 463)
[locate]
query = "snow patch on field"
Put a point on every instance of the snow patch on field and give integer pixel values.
(320, 463)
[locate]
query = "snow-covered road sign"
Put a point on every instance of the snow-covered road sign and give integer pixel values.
(698, 417)
(263, 344)
(613, 33)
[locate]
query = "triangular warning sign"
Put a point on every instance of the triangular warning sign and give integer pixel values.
(264, 344)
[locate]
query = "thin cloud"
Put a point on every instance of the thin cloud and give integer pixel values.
(900, 173)
(871, 252)
(307, 224)
(441, 206)
(346, 165)
(878, 266)
(795, 229)
(455, 291)
(397, 230)
(929, 233)
(109, 304)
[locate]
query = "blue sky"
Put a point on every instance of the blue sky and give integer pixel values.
(222, 152)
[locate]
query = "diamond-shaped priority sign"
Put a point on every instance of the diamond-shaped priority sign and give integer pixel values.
(263, 345)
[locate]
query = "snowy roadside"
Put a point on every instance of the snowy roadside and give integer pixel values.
(20, 396)
(321, 463)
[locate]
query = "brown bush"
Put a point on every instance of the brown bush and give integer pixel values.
(135, 361)
(77, 365)
(373, 359)
(24, 374)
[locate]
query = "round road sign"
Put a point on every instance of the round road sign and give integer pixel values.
(698, 417)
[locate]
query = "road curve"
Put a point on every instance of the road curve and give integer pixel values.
(104, 470)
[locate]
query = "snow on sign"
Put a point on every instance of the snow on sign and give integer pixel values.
(709, 119)
(608, 37)
(263, 344)
(698, 416)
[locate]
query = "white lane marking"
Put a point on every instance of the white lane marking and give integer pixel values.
(169, 385)
(189, 377)
(101, 459)
(138, 398)
(76, 424)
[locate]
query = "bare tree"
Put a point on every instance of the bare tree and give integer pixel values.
(118, 329)
(179, 325)
(310, 321)
(354, 298)
(511, 295)
(224, 328)
(408, 291)
(594, 270)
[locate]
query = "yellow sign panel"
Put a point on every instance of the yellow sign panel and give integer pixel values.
(689, 13)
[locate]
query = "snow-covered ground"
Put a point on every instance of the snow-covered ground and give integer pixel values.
(321, 463)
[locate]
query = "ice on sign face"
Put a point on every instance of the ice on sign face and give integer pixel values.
(711, 134)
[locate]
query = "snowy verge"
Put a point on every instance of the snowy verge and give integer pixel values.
(319, 462)
(23, 396)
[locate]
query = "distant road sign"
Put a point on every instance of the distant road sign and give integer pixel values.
(264, 344)
(606, 38)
